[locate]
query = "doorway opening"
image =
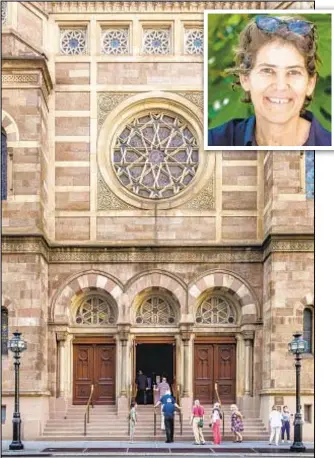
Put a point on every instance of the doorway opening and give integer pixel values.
(155, 360)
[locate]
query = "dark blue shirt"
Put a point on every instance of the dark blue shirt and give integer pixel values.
(241, 132)
(164, 398)
(168, 410)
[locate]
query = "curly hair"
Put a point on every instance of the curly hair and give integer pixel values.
(252, 39)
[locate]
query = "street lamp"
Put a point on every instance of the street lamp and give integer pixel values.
(298, 346)
(17, 345)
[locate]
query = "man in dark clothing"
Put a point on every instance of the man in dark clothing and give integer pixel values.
(168, 410)
(141, 382)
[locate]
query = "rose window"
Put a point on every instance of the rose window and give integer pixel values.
(194, 41)
(115, 42)
(73, 41)
(156, 42)
(95, 311)
(155, 310)
(156, 156)
(216, 310)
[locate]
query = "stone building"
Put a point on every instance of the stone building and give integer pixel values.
(124, 243)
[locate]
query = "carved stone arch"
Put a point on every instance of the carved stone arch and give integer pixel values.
(133, 107)
(156, 306)
(10, 127)
(217, 306)
(234, 285)
(78, 283)
(157, 278)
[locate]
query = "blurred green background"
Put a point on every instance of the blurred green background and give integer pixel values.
(224, 102)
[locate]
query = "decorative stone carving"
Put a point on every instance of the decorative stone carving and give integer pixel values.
(193, 41)
(156, 155)
(195, 97)
(28, 78)
(115, 41)
(61, 336)
(106, 199)
(204, 200)
(107, 102)
(155, 311)
(4, 12)
(248, 335)
(156, 41)
(95, 311)
(73, 41)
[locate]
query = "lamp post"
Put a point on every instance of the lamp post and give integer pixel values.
(298, 346)
(17, 345)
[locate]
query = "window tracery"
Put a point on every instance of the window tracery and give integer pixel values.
(73, 41)
(4, 12)
(156, 41)
(115, 41)
(155, 310)
(194, 41)
(156, 155)
(216, 310)
(95, 310)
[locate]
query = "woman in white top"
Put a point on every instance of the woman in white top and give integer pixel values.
(216, 416)
(275, 423)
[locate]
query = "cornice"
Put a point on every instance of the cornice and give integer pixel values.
(55, 254)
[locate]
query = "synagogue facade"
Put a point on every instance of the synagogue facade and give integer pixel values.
(122, 237)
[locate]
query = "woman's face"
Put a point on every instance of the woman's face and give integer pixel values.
(278, 83)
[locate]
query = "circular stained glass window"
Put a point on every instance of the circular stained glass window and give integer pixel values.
(156, 155)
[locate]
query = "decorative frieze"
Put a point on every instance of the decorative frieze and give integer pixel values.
(31, 78)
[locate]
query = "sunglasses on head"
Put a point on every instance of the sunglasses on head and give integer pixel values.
(271, 24)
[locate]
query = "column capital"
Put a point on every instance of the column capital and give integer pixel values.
(248, 335)
(61, 336)
(123, 331)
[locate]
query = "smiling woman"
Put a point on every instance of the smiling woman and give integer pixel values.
(276, 65)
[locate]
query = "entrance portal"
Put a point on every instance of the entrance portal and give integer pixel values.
(155, 360)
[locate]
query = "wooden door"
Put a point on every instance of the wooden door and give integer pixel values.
(94, 364)
(214, 363)
(203, 373)
(225, 372)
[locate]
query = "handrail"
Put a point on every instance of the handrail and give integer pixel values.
(181, 422)
(223, 423)
(154, 422)
(90, 401)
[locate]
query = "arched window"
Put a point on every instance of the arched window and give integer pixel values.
(4, 331)
(95, 310)
(308, 329)
(156, 310)
(216, 309)
(3, 165)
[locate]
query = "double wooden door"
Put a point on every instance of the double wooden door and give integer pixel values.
(94, 364)
(215, 363)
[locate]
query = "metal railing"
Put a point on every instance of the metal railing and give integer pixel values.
(223, 423)
(154, 422)
(89, 402)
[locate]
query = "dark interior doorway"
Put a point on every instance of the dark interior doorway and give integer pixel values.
(155, 359)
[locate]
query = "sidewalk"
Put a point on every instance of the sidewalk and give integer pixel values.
(147, 448)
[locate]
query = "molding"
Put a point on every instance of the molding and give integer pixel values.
(27, 393)
(286, 392)
(54, 254)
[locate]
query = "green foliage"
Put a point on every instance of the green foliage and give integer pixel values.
(224, 101)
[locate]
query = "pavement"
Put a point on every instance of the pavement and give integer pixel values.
(160, 449)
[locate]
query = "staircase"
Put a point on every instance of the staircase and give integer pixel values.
(106, 425)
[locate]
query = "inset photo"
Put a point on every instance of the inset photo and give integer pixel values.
(268, 80)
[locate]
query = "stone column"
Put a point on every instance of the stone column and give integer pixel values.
(122, 401)
(61, 338)
(248, 339)
(186, 347)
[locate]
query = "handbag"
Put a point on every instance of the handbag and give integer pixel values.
(201, 423)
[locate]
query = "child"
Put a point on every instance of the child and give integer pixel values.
(132, 419)
(286, 423)
(237, 425)
(275, 423)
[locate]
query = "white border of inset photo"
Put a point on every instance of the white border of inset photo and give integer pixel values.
(260, 12)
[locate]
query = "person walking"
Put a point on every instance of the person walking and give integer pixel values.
(216, 417)
(197, 422)
(168, 410)
(236, 423)
(141, 382)
(167, 398)
(162, 388)
(132, 419)
(286, 423)
(275, 423)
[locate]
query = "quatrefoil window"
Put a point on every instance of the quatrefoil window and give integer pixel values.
(95, 310)
(156, 155)
(155, 310)
(73, 41)
(216, 310)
